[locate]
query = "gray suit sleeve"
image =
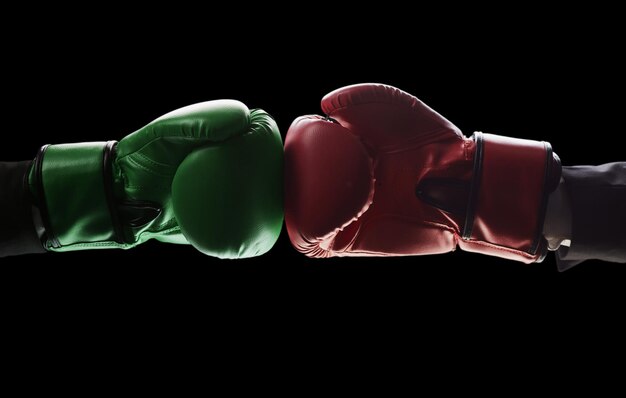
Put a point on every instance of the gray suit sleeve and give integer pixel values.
(598, 201)
(18, 234)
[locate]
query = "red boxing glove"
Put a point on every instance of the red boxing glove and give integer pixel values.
(385, 175)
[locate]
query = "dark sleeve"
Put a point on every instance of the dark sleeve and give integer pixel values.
(598, 200)
(17, 231)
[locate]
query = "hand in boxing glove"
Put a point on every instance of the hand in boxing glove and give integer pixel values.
(208, 174)
(383, 174)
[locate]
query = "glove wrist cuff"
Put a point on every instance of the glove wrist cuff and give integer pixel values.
(512, 180)
(71, 184)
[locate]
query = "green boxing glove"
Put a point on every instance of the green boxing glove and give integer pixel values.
(209, 174)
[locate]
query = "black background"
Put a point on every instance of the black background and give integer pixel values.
(556, 87)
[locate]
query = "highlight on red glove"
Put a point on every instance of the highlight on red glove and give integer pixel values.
(382, 174)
